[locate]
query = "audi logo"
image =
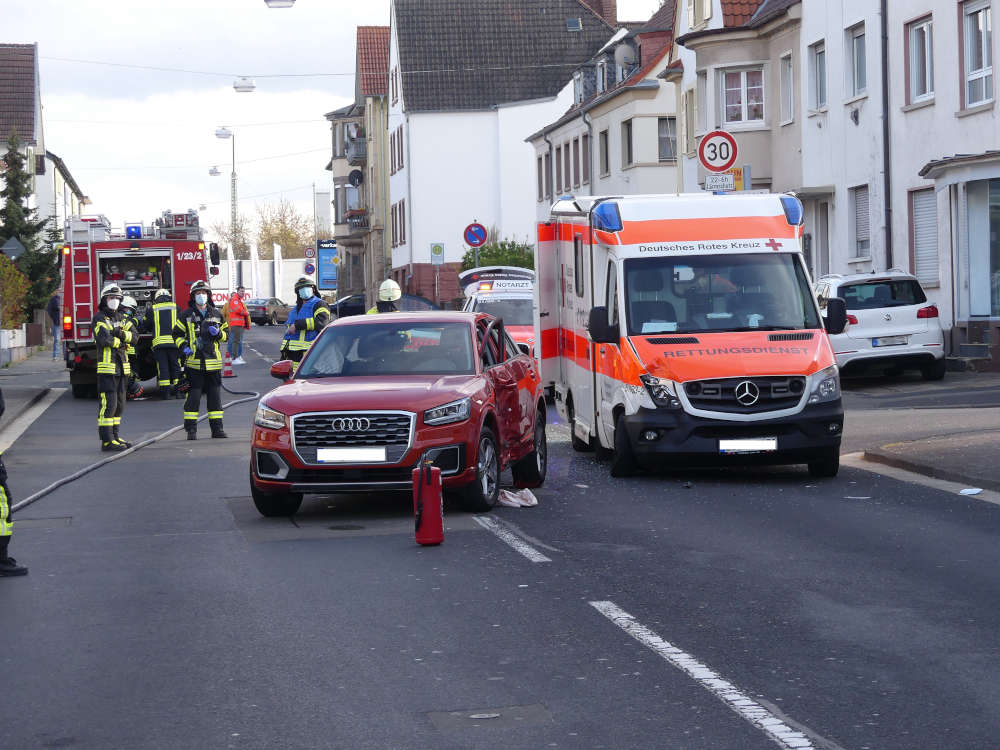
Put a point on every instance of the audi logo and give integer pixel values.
(351, 424)
(747, 393)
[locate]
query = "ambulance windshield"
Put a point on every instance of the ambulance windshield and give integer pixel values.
(705, 293)
(514, 311)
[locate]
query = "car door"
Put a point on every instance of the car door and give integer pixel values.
(525, 374)
(499, 371)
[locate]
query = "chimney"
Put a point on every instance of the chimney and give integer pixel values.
(606, 9)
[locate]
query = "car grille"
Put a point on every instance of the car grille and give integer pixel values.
(393, 430)
(774, 393)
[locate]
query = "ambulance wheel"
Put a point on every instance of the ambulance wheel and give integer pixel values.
(275, 505)
(481, 495)
(622, 460)
(530, 470)
(580, 446)
(826, 467)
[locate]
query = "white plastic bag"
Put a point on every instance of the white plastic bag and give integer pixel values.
(518, 498)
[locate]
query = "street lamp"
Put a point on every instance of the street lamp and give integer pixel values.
(214, 171)
(224, 133)
(280, 3)
(244, 84)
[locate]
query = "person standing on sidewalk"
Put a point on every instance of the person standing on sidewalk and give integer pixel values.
(238, 317)
(8, 565)
(160, 320)
(112, 339)
(197, 334)
(54, 310)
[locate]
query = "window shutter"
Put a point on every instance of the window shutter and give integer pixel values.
(691, 13)
(925, 255)
(861, 219)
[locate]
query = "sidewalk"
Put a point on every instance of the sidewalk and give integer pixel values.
(970, 458)
(26, 382)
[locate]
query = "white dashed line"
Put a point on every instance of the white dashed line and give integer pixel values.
(491, 524)
(722, 689)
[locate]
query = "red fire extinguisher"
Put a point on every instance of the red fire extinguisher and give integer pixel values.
(427, 506)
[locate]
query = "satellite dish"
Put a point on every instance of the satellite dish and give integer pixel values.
(625, 55)
(356, 177)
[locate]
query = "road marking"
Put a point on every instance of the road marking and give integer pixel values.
(722, 689)
(14, 430)
(491, 524)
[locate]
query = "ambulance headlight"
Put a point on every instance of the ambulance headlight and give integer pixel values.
(661, 391)
(824, 385)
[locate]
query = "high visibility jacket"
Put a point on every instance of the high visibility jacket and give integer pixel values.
(205, 354)
(236, 313)
(309, 318)
(112, 358)
(160, 321)
(132, 325)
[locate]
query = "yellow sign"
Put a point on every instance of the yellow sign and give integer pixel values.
(737, 173)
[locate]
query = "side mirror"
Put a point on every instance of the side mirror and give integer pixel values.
(597, 326)
(282, 370)
(213, 253)
(214, 270)
(836, 315)
(524, 348)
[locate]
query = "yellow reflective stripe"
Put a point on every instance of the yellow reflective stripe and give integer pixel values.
(215, 415)
(190, 415)
(310, 324)
(6, 525)
(116, 421)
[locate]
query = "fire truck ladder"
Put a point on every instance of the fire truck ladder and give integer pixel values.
(82, 268)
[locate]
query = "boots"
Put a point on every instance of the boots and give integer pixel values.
(114, 432)
(108, 442)
(8, 565)
(217, 431)
(163, 392)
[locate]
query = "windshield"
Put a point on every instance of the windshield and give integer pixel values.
(870, 295)
(390, 349)
(515, 312)
(704, 293)
(256, 302)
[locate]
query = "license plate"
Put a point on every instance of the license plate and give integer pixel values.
(350, 455)
(889, 341)
(749, 445)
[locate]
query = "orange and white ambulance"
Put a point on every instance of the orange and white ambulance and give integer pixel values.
(679, 329)
(505, 292)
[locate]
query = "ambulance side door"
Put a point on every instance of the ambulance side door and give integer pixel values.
(609, 359)
(578, 298)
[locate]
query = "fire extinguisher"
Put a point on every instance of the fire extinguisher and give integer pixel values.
(428, 509)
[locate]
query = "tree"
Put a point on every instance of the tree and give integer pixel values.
(241, 247)
(17, 220)
(281, 223)
(13, 291)
(501, 253)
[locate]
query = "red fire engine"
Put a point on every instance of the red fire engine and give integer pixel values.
(168, 255)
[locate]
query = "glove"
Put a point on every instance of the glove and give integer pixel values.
(186, 350)
(120, 334)
(213, 331)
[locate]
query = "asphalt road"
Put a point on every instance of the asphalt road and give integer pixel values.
(161, 611)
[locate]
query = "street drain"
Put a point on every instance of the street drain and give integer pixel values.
(506, 717)
(345, 527)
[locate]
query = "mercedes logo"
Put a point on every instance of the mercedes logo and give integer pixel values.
(747, 393)
(351, 424)
(887, 316)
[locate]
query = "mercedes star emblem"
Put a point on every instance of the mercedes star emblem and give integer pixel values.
(887, 316)
(351, 424)
(747, 393)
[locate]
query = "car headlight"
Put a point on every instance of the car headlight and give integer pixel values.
(455, 411)
(661, 391)
(825, 385)
(265, 417)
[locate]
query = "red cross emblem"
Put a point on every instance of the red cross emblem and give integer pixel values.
(773, 244)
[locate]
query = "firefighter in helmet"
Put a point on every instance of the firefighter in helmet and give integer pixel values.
(130, 320)
(305, 321)
(197, 334)
(160, 321)
(112, 338)
(388, 294)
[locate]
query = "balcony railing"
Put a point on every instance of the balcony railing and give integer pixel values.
(357, 151)
(357, 219)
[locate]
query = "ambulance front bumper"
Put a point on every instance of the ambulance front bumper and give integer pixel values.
(673, 435)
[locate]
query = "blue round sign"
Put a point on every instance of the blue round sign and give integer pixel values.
(475, 235)
(309, 269)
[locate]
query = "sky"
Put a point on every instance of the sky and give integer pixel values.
(139, 140)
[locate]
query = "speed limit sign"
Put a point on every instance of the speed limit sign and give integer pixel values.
(718, 151)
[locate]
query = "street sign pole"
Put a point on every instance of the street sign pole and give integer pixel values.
(747, 178)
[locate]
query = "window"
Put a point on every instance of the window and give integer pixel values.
(602, 76)
(689, 117)
(392, 153)
(402, 222)
(578, 264)
(923, 235)
(576, 162)
(978, 43)
(395, 225)
(559, 182)
(577, 87)
(667, 136)
(862, 237)
(602, 140)
(699, 102)
(817, 75)
(541, 179)
(627, 143)
(548, 176)
(585, 157)
(399, 145)
(698, 11)
(567, 171)
(921, 61)
(858, 70)
(612, 300)
(786, 88)
(743, 95)
(395, 84)
(872, 295)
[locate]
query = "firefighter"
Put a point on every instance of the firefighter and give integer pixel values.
(8, 565)
(197, 334)
(160, 321)
(305, 321)
(388, 294)
(112, 339)
(129, 307)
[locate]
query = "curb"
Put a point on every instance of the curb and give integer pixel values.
(928, 470)
(31, 402)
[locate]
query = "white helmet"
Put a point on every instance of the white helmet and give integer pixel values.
(111, 290)
(129, 303)
(389, 291)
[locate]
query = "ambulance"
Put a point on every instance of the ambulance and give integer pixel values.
(505, 292)
(682, 330)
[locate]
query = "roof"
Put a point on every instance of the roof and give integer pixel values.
(373, 60)
(770, 9)
(17, 91)
(64, 171)
(738, 12)
(742, 14)
(939, 165)
(661, 20)
(458, 55)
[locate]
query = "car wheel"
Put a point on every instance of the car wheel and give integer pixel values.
(827, 466)
(482, 494)
(623, 459)
(580, 446)
(275, 504)
(934, 371)
(530, 471)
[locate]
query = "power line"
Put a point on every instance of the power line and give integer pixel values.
(259, 195)
(167, 123)
(202, 166)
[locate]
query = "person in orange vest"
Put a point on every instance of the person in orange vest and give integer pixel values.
(236, 314)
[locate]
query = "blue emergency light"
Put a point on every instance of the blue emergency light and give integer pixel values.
(133, 231)
(793, 210)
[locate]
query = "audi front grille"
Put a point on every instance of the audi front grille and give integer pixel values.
(369, 429)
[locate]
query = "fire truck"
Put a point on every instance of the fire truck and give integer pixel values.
(168, 254)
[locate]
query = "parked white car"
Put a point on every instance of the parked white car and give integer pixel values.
(891, 326)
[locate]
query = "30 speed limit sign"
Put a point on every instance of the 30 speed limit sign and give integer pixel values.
(718, 151)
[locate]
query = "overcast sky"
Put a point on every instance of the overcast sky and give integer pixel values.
(139, 141)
